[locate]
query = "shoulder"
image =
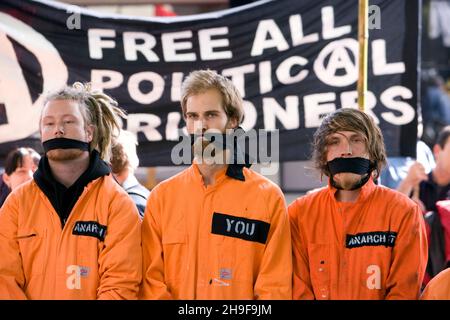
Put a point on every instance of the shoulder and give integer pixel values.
(138, 190)
(173, 184)
(109, 190)
(443, 276)
(25, 190)
(21, 195)
(393, 198)
(311, 197)
(439, 287)
(106, 184)
(303, 203)
(263, 184)
(181, 177)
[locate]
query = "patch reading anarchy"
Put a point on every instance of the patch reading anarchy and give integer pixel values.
(90, 229)
(376, 238)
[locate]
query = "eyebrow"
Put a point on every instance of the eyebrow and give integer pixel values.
(63, 116)
(206, 112)
(353, 134)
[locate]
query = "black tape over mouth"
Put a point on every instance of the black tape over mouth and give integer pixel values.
(64, 143)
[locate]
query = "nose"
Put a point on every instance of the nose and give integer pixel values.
(59, 130)
(204, 124)
(346, 148)
(200, 126)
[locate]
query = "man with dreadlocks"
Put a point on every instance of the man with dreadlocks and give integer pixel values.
(354, 239)
(72, 232)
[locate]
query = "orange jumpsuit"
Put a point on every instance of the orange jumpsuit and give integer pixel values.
(438, 288)
(374, 248)
(230, 240)
(97, 255)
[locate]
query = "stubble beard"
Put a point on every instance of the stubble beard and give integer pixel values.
(206, 152)
(64, 154)
(347, 180)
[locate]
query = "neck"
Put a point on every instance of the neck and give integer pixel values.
(208, 172)
(347, 195)
(441, 176)
(122, 176)
(67, 172)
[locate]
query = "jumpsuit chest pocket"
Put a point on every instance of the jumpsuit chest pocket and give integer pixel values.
(319, 268)
(175, 247)
(87, 252)
(225, 250)
(33, 250)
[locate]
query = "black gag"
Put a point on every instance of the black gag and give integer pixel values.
(65, 143)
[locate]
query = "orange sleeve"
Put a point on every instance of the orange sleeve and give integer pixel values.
(12, 278)
(438, 288)
(153, 285)
(429, 293)
(120, 261)
(302, 287)
(275, 274)
(409, 258)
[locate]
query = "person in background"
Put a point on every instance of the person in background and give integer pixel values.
(427, 190)
(435, 185)
(355, 239)
(435, 105)
(124, 162)
(396, 169)
(20, 164)
(72, 232)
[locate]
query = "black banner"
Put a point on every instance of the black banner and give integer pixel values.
(293, 61)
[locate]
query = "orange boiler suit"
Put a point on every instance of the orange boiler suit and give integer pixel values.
(438, 288)
(230, 240)
(374, 248)
(97, 255)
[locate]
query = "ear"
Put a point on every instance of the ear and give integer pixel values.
(233, 123)
(90, 129)
(6, 179)
(436, 150)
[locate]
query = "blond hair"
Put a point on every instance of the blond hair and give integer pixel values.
(202, 80)
(124, 152)
(347, 119)
(99, 110)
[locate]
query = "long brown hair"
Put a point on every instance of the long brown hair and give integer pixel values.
(347, 119)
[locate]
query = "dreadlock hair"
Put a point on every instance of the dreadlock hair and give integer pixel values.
(98, 109)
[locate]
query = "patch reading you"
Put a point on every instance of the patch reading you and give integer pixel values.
(242, 228)
(376, 238)
(90, 229)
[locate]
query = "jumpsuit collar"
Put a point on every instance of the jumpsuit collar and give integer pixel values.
(364, 193)
(219, 175)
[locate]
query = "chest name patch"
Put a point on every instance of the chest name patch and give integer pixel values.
(376, 238)
(90, 229)
(238, 227)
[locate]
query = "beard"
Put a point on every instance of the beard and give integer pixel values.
(64, 154)
(206, 152)
(347, 180)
